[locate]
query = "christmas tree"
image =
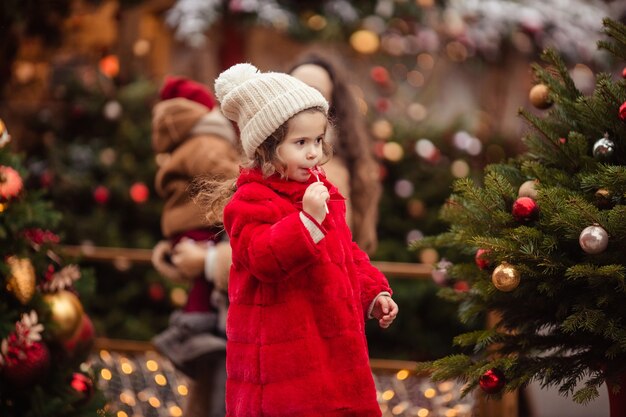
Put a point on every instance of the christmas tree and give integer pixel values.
(541, 243)
(45, 333)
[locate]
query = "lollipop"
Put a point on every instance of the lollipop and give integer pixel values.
(316, 170)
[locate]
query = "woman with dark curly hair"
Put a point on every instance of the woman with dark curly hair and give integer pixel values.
(353, 168)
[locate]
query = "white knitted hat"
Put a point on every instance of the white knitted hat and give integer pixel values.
(261, 102)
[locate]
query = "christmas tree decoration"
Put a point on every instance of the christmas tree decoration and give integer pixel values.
(83, 387)
(505, 277)
(61, 280)
(492, 381)
(440, 273)
(101, 195)
(603, 149)
(4, 135)
(622, 111)
(66, 314)
(481, 261)
(576, 310)
(26, 365)
(603, 198)
(593, 239)
(10, 183)
(82, 341)
(539, 96)
(139, 192)
(21, 281)
(525, 209)
(528, 189)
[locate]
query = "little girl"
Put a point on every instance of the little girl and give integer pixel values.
(300, 289)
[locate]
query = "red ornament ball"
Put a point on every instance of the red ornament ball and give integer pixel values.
(10, 183)
(492, 381)
(156, 292)
(461, 286)
(101, 194)
(82, 341)
(379, 74)
(139, 192)
(480, 259)
(383, 105)
(27, 370)
(622, 111)
(525, 209)
(83, 385)
(624, 73)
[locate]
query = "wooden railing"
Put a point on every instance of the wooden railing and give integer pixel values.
(506, 407)
(142, 256)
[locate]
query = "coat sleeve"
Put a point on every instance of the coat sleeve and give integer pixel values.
(270, 245)
(373, 282)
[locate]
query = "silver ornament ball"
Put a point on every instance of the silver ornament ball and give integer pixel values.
(593, 239)
(603, 149)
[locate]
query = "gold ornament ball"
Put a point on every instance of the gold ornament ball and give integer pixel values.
(66, 314)
(527, 189)
(539, 96)
(505, 277)
(21, 282)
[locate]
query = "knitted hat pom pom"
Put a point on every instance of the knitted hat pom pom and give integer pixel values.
(234, 77)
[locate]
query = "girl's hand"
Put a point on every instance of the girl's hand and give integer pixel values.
(314, 201)
(385, 310)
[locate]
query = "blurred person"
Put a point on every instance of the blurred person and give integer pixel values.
(353, 168)
(193, 139)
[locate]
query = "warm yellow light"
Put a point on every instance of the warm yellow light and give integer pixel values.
(176, 411)
(429, 256)
(393, 151)
(160, 380)
(121, 414)
(316, 22)
(460, 168)
(2, 207)
(423, 412)
(388, 395)
(127, 398)
(451, 413)
(182, 390)
(402, 374)
(141, 47)
(152, 365)
(154, 402)
(106, 374)
(127, 368)
(430, 393)
(178, 296)
(365, 41)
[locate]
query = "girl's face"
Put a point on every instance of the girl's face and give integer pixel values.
(302, 147)
(316, 77)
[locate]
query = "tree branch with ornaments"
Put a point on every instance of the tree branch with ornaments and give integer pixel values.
(541, 243)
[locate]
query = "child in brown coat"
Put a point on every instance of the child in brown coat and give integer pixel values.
(193, 139)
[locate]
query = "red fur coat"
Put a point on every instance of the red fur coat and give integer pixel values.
(296, 340)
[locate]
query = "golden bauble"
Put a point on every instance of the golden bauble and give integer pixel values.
(505, 277)
(21, 282)
(66, 314)
(527, 189)
(539, 96)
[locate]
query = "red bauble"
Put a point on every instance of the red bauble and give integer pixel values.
(383, 105)
(156, 291)
(23, 372)
(492, 381)
(461, 286)
(10, 183)
(139, 192)
(480, 259)
(525, 209)
(83, 385)
(81, 341)
(624, 73)
(622, 111)
(379, 74)
(101, 194)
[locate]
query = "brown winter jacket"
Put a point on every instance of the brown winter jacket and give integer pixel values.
(196, 142)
